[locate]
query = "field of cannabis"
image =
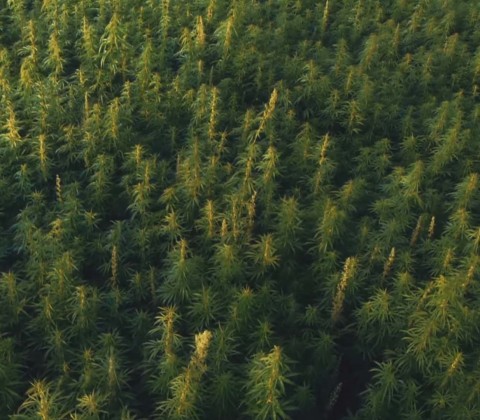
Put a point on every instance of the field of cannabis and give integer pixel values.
(239, 209)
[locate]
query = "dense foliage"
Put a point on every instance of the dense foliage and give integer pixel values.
(239, 209)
